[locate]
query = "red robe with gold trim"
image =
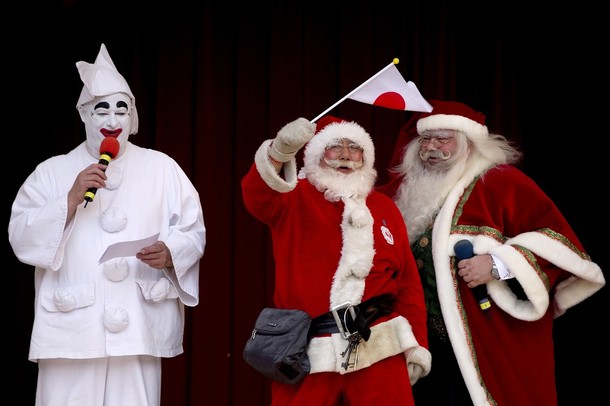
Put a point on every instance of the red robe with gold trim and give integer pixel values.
(506, 354)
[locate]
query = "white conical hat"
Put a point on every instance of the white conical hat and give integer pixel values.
(101, 79)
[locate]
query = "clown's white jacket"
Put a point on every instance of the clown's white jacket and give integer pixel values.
(87, 309)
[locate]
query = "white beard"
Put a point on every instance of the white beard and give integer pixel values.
(423, 191)
(336, 185)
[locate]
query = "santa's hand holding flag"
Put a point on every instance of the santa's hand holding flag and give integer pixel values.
(387, 89)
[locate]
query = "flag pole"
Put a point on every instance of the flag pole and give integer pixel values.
(394, 62)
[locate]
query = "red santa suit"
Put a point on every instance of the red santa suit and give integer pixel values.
(331, 252)
(505, 354)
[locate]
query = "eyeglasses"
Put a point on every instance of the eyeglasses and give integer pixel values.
(352, 147)
(436, 141)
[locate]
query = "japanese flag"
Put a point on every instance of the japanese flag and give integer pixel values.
(389, 89)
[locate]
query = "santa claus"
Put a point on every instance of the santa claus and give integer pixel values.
(455, 182)
(340, 245)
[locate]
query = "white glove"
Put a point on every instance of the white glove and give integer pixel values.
(419, 361)
(291, 138)
(415, 372)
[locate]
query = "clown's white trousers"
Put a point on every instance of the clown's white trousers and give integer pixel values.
(112, 381)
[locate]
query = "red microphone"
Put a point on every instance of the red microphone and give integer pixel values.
(109, 148)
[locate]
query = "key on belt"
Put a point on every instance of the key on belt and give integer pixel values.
(354, 338)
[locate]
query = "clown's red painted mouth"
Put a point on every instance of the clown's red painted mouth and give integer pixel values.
(111, 133)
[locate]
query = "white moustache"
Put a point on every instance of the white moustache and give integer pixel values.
(339, 163)
(437, 153)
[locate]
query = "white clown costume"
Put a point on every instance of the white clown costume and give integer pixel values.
(120, 307)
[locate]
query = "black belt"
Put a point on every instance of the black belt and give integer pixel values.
(341, 318)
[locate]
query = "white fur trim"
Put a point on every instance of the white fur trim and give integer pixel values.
(269, 173)
(588, 277)
(471, 128)
(441, 254)
(314, 150)
(533, 285)
(387, 339)
(356, 254)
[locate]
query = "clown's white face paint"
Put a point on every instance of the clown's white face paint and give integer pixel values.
(106, 116)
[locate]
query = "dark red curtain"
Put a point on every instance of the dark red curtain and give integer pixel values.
(212, 80)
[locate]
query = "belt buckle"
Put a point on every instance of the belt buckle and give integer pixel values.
(345, 333)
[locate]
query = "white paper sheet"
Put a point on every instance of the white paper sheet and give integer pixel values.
(127, 248)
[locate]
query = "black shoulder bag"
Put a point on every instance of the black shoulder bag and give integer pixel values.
(278, 344)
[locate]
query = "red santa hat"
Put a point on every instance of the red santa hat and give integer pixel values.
(448, 115)
(330, 129)
(102, 78)
(451, 115)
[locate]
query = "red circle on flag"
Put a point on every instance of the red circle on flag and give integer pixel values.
(391, 100)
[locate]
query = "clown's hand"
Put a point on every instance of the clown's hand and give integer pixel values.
(291, 138)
